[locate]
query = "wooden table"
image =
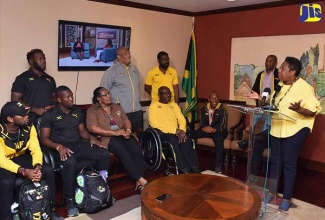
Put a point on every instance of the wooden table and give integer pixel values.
(199, 196)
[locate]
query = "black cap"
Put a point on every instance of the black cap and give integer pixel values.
(14, 108)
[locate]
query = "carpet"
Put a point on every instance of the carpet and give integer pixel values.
(129, 209)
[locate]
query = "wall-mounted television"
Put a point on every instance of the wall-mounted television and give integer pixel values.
(97, 45)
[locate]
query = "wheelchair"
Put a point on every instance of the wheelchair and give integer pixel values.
(155, 150)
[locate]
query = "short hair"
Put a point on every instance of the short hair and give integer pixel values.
(61, 89)
(294, 64)
(31, 53)
(96, 94)
(109, 41)
(120, 49)
(160, 54)
(213, 92)
(273, 56)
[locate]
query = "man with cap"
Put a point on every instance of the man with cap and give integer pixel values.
(20, 155)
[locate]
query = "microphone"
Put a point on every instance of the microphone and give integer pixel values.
(276, 92)
(266, 93)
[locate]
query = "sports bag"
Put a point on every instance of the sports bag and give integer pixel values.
(34, 201)
(92, 192)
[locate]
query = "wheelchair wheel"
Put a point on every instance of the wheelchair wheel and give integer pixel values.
(151, 149)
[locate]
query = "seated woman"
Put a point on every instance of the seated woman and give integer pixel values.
(110, 123)
(78, 47)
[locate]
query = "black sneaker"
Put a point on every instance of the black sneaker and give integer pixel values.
(55, 216)
(71, 208)
(242, 144)
(217, 169)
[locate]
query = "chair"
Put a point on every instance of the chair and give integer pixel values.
(235, 120)
(74, 55)
(108, 54)
(154, 150)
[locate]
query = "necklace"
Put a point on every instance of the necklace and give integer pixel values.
(286, 93)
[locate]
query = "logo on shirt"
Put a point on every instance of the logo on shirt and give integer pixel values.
(121, 73)
(157, 74)
(159, 106)
(19, 104)
(75, 115)
(48, 79)
(118, 113)
(31, 79)
(310, 13)
(58, 118)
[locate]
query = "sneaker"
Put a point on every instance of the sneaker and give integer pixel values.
(71, 208)
(55, 216)
(242, 144)
(217, 169)
(285, 205)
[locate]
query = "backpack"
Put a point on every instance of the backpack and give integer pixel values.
(92, 192)
(34, 201)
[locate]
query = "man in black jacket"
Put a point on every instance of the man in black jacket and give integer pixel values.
(214, 118)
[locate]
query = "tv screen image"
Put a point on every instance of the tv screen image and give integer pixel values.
(89, 46)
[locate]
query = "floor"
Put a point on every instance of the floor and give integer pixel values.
(309, 183)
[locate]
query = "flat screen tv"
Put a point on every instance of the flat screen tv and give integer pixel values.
(95, 53)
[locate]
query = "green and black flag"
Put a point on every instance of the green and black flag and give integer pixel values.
(189, 82)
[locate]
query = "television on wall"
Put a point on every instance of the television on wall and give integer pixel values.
(99, 41)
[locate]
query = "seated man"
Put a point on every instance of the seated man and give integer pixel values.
(214, 118)
(63, 129)
(20, 155)
(99, 52)
(168, 118)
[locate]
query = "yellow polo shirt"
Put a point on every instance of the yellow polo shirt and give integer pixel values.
(156, 79)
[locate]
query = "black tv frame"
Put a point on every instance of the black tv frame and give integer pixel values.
(63, 48)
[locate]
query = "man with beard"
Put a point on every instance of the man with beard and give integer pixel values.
(123, 81)
(20, 155)
(34, 88)
(162, 75)
(214, 118)
(63, 130)
(168, 118)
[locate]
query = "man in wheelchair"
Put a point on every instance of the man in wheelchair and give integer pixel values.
(168, 118)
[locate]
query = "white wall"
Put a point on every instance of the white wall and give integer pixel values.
(28, 24)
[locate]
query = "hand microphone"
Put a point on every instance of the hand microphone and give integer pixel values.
(276, 92)
(266, 93)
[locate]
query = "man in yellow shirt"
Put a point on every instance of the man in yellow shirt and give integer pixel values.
(162, 75)
(168, 118)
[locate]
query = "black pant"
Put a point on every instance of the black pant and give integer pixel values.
(185, 154)
(84, 155)
(130, 154)
(8, 179)
(218, 139)
(136, 119)
(260, 143)
(284, 155)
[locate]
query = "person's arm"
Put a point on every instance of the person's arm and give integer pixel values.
(34, 147)
(176, 93)
(296, 106)
(15, 96)
(107, 79)
(148, 88)
(204, 122)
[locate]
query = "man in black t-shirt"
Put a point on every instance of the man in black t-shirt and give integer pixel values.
(34, 88)
(63, 129)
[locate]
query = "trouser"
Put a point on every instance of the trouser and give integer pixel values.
(185, 154)
(8, 179)
(136, 119)
(85, 155)
(98, 53)
(218, 140)
(260, 143)
(284, 155)
(130, 154)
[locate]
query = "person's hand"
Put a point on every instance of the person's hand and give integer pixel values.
(252, 95)
(94, 140)
(181, 136)
(127, 134)
(209, 129)
(64, 152)
(33, 175)
(296, 106)
(120, 132)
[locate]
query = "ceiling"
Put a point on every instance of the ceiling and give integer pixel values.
(202, 7)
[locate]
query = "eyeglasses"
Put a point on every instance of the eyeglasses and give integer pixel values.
(107, 94)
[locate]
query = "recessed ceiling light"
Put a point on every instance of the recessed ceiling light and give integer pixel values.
(231, 0)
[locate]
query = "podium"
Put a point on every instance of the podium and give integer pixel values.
(262, 184)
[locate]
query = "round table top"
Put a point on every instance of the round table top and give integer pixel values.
(199, 196)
